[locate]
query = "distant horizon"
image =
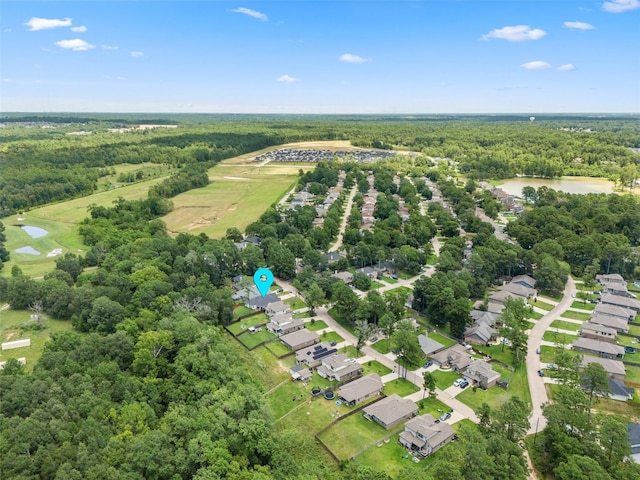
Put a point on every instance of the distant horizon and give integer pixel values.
(352, 57)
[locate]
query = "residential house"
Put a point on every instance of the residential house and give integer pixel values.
(480, 334)
(276, 308)
(312, 356)
(611, 278)
(361, 389)
(428, 345)
(332, 257)
(598, 331)
(298, 372)
(345, 277)
(615, 311)
(634, 440)
(455, 357)
(300, 339)
(614, 368)
(495, 307)
(481, 374)
(390, 411)
(618, 324)
(524, 280)
(595, 347)
(620, 301)
(484, 317)
(501, 296)
(258, 302)
(518, 289)
(284, 323)
(425, 435)
(340, 368)
(369, 271)
(619, 391)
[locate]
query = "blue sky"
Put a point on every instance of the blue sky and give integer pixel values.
(342, 56)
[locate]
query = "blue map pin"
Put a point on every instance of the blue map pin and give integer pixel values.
(263, 278)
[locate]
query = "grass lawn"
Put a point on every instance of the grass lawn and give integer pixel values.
(331, 337)
(277, 348)
(306, 314)
(295, 303)
(634, 330)
(433, 406)
(381, 346)
(576, 315)
(404, 275)
(633, 374)
(632, 288)
(250, 340)
(548, 354)
(236, 197)
(350, 351)
(566, 325)
(542, 305)
(445, 378)
(583, 306)
(447, 342)
(392, 458)
(241, 310)
(267, 371)
(398, 289)
(400, 386)
(558, 337)
(535, 315)
(315, 325)
(496, 396)
(17, 324)
(497, 352)
(375, 285)
(373, 366)
(432, 260)
(351, 435)
(553, 296)
(343, 322)
(389, 280)
(239, 327)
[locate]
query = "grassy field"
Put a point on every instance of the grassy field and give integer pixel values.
(277, 348)
(239, 327)
(295, 303)
(447, 342)
(373, 366)
(578, 304)
(391, 457)
(542, 305)
(444, 379)
(17, 325)
(634, 330)
(558, 337)
(236, 197)
(241, 310)
(400, 386)
(250, 340)
(381, 346)
(331, 337)
(316, 325)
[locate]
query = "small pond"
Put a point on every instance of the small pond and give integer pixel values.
(34, 232)
(27, 250)
(581, 185)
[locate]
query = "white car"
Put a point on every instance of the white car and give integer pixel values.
(458, 382)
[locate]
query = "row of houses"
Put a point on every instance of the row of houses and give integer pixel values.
(312, 155)
(459, 359)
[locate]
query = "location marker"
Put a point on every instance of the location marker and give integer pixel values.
(263, 278)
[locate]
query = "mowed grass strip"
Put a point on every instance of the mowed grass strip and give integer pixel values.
(576, 315)
(574, 327)
(235, 197)
(580, 305)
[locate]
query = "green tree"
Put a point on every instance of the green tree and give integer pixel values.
(428, 383)
(314, 297)
(363, 331)
(595, 380)
(407, 346)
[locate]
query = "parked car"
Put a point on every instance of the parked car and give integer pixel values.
(373, 339)
(458, 382)
(541, 372)
(538, 350)
(394, 277)
(464, 384)
(629, 350)
(445, 416)
(427, 364)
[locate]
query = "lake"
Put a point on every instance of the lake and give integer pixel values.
(34, 232)
(581, 185)
(27, 250)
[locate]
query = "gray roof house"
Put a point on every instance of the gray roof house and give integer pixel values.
(610, 278)
(361, 389)
(618, 324)
(426, 436)
(614, 311)
(481, 373)
(283, 323)
(390, 411)
(619, 391)
(518, 289)
(345, 277)
(614, 368)
(620, 301)
(486, 317)
(525, 280)
(501, 296)
(337, 367)
(428, 345)
(598, 331)
(300, 339)
(275, 308)
(634, 438)
(455, 356)
(480, 334)
(312, 356)
(602, 349)
(298, 372)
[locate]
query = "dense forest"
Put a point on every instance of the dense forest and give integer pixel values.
(62, 164)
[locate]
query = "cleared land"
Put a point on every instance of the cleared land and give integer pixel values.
(236, 197)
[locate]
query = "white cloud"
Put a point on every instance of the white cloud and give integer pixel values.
(617, 6)
(517, 33)
(579, 25)
(350, 58)
(286, 79)
(566, 67)
(81, 28)
(251, 13)
(75, 44)
(537, 65)
(137, 54)
(109, 47)
(37, 23)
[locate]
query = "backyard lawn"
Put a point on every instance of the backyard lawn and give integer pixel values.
(277, 348)
(251, 340)
(267, 369)
(400, 386)
(447, 342)
(634, 330)
(496, 396)
(499, 352)
(241, 310)
(239, 327)
(391, 457)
